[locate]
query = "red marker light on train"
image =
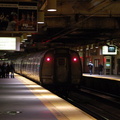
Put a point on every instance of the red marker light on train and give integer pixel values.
(48, 59)
(74, 59)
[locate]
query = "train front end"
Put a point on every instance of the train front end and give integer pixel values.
(61, 67)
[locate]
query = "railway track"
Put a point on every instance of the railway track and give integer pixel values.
(100, 106)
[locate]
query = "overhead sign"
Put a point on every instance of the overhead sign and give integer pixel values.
(109, 50)
(7, 43)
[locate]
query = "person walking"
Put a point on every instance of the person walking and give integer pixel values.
(90, 65)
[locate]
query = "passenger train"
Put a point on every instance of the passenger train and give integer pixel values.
(55, 66)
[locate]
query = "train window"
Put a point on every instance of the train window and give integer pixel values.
(61, 62)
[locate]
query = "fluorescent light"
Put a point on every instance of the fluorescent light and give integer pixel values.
(40, 22)
(51, 10)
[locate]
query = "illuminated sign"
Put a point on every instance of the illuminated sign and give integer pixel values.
(109, 50)
(7, 43)
(108, 65)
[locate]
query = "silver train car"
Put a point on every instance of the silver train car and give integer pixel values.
(56, 66)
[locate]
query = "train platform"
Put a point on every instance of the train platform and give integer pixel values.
(107, 84)
(22, 99)
(109, 77)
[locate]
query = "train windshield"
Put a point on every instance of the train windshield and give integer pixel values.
(61, 62)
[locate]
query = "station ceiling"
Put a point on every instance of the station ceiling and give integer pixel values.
(76, 22)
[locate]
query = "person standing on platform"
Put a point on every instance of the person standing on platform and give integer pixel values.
(0, 71)
(3, 67)
(12, 70)
(100, 68)
(7, 70)
(90, 65)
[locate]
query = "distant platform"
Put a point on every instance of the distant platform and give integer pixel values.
(111, 77)
(107, 84)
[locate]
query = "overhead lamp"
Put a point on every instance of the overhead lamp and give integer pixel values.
(97, 45)
(23, 41)
(91, 46)
(24, 37)
(51, 5)
(40, 17)
(81, 48)
(29, 35)
(87, 47)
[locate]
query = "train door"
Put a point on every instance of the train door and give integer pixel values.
(118, 66)
(62, 69)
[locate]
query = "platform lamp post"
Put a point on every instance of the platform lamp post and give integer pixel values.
(40, 17)
(51, 5)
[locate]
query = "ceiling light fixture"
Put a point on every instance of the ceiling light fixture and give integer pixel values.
(51, 5)
(40, 17)
(29, 35)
